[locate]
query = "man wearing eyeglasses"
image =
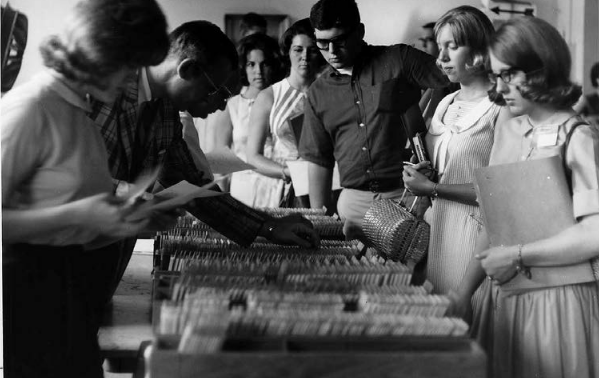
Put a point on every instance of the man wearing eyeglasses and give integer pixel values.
(142, 130)
(354, 112)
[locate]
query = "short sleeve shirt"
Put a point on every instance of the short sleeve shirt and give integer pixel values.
(356, 120)
(52, 153)
(517, 140)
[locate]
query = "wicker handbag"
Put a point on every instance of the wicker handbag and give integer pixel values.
(395, 232)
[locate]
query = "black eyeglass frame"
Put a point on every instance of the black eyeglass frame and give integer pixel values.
(338, 41)
(224, 92)
(508, 75)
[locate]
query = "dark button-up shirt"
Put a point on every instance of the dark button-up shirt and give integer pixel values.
(356, 120)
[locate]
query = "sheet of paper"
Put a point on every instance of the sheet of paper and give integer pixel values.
(171, 198)
(224, 161)
(299, 177)
(142, 184)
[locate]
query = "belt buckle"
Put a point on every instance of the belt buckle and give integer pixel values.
(374, 186)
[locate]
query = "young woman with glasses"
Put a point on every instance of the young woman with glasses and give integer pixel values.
(553, 330)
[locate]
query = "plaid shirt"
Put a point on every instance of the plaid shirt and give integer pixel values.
(120, 124)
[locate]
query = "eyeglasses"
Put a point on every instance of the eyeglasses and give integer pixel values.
(221, 92)
(508, 75)
(339, 41)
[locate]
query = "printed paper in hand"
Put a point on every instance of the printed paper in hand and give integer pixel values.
(224, 161)
(171, 198)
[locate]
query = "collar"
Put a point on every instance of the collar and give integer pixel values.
(556, 121)
(58, 83)
(464, 123)
(358, 63)
(145, 93)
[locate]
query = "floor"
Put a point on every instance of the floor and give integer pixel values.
(144, 246)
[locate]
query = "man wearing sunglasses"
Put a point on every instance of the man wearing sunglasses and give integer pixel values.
(142, 130)
(355, 111)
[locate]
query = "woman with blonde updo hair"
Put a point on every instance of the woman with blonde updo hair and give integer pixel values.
(57, 188)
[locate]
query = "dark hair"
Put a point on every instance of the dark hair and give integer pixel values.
(252, 19)
(595, 75)
(469, 27)
(328, 14)
(537, 48)
(429, 25)
(270, 49)
(204, 42)
(102, 36)
(301, 27)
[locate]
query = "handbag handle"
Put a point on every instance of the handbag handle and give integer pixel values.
(403, 196)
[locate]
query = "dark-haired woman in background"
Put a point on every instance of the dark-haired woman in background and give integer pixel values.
(284, 100)
(56, 186)
(588, 105)
(553, 331)
(259, 67)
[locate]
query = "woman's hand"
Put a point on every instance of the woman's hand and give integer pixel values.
(499, 263)
(105, 214)
(415, 181)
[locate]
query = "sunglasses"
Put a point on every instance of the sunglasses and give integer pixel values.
(339, 41)
(223, 93)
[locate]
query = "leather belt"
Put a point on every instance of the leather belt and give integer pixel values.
(377, 186)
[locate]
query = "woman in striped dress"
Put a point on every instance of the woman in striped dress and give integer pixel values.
(278, 105)
(461, 137)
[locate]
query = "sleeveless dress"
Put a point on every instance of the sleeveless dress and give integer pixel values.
(249, 187)
(288, 103)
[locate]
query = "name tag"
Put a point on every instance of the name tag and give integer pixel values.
(545, 136)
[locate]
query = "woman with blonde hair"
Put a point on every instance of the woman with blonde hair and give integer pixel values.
(460, 137)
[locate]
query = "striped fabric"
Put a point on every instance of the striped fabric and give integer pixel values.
(465, 132)
(288, 103)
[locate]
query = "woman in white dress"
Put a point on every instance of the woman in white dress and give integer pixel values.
(259, 67)
(278, 105)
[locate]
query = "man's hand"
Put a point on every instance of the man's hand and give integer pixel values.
(291, 229)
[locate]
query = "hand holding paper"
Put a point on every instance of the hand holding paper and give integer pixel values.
(171, 198)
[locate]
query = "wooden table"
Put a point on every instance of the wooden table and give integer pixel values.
(127, 322)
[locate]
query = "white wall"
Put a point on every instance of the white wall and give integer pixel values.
(386, 21)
